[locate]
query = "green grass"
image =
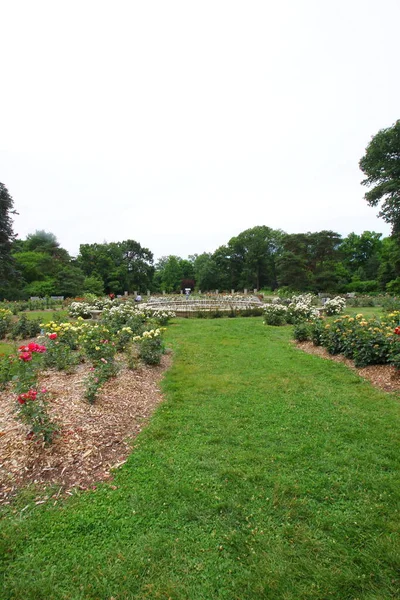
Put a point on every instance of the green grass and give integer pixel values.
(6, 348)
(265, 473)
(44, 315)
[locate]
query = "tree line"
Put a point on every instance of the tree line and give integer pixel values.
(259, 257)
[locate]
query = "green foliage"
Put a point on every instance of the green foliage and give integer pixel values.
(5, 322)
(8, 369)
(46, 287)
(93, 284)
(60, 356)
(317, 329)
(97, 343)
(32, 410)
(151, 346)
(381, 165)
(7, 237)
(25, 328)
(302, 332)
(121, 265)
(393, 287)
(275, 314)
(70, 281)
(366, 341)
(100, 373)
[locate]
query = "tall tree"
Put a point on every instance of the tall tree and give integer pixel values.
(7, 236)
(381, 165)
(253, 254)
(361, 253)
(123, 266)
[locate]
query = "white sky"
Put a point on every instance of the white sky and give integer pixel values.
(179, 124)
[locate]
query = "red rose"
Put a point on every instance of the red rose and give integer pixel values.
(25, 356)
(52, 336)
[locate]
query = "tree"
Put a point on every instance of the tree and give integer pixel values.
(253, 253)
(34, 266)
(70, 281)
(362, 252)
(170, 272)
(205, 271)
(308, 261)
(121, 265)
(7, 236)
(93, 285)
(381, 165)
(45, 241)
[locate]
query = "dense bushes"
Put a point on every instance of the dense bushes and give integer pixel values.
(366, 341)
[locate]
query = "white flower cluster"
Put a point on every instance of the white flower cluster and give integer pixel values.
(335, 306)
(80, 309)
(275, 309)
(161, 315)
(275, 314)
(301, 308)
(122, 310)
(83, 309)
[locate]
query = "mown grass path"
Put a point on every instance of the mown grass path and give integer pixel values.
(266, 473)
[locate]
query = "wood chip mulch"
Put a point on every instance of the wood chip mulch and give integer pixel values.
(93, 439)
(385, 377)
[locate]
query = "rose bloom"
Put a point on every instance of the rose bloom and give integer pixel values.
(25, 356)
(52, 336)
(31, 395)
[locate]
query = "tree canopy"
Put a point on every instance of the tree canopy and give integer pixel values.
(381, 165)
(7, 235)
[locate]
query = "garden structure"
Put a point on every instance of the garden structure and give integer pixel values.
(187, 306)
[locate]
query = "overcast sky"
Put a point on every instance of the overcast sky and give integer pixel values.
(179, 124)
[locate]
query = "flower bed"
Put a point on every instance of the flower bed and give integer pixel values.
(92, 439)
(366, 341)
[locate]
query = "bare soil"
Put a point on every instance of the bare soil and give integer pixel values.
(92, 439)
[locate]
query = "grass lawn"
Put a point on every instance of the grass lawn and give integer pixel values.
(267, 473)
(44, 315)
(6, 348)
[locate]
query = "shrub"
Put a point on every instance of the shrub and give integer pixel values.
(275, 314)
(317, 331)
(302, 332)
(31, 402)
(5, 322)
(32, 411)
(59, 355)
(301, 308)
(334, 306)
(25, 328)
(151, 346)
(367, 342)
(8, 369)
(99, 374)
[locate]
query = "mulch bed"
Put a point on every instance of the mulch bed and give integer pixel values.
(385, 377)
(93, 439)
